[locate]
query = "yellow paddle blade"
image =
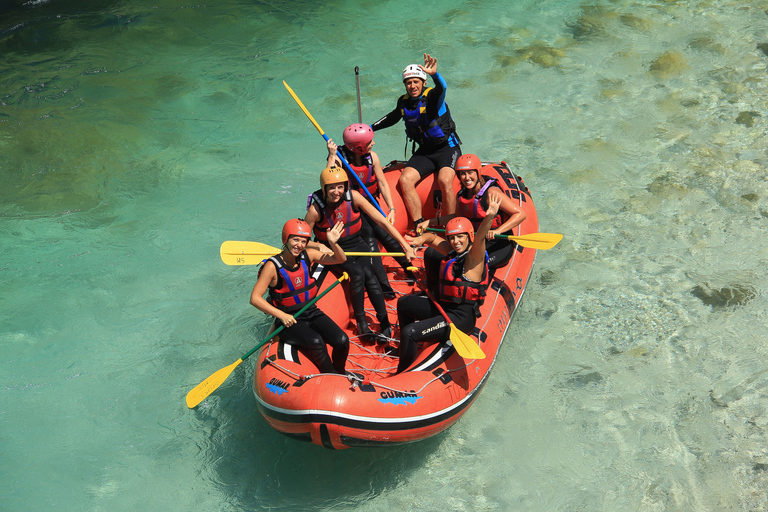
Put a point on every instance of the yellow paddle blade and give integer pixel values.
(246, 253)
(537, 240)
(300, 104)
(209, 385)
(466, 347)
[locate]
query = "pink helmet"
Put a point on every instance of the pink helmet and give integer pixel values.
(357, 137)
(459, 225)
(295, 227)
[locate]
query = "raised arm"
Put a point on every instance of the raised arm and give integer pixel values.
(383, 187)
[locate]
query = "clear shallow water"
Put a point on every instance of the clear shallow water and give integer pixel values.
(136, 138)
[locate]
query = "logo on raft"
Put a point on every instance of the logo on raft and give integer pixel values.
(398, 398)
(277, 386)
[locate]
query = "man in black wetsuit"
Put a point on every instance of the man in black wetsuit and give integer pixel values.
(428, 122)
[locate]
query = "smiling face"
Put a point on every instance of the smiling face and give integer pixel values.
(414, 86)
(468, 178)
(459, 242)
(296, 244)
(334, 192)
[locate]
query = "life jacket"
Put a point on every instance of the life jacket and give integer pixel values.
(474, 207)
(454, 287)
(345, 212)
(294, 287)
(430, 132)
(364, 172)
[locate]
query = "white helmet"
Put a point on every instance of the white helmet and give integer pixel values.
(414, 71)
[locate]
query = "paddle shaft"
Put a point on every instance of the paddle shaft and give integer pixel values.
(338, 153)
(359, 106)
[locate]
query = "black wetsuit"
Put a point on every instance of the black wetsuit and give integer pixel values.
(361, 276)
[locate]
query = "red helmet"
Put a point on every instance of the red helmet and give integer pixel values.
(459, 225)
(468, 162)
(295, 227)
(357, 137)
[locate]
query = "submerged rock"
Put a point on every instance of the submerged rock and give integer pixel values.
(751, 197)
(747, 118)
(667, 186)
(707, 43)
(727, 296)
(668, 64)
(592, 22)
(542, 54)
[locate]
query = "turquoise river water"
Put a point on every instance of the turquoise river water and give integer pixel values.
(137, 135)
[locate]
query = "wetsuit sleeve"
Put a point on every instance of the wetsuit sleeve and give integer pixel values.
(436, 102)
(388, 120)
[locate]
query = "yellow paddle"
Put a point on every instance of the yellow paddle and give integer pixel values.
(363, 188)
(542, 241)
(465, 346)
(209, 385)
(254, 253)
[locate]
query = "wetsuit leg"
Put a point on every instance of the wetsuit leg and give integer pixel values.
(369, 236)
(417, 314)
(356, 273)
(310, 343)
(421, 321)
(390, 244)
(335, 337)
(499, 252)
(432, 259)
(362, 279)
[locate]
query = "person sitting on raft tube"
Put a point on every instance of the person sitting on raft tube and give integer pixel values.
(464, 278)
(292, 280)
(336, 202)
(428, 123)
(472, 203)
(365, 163)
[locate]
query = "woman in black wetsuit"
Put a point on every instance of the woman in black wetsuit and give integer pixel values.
(464, 278)
(291, 280)
(336, 202)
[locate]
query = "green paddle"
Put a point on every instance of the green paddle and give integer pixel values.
(209, 385)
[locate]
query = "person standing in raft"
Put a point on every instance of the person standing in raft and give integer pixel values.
(429, 124)
(335, 202)
(472, 203)
(464, 278)
(292, 280)
(357, 150)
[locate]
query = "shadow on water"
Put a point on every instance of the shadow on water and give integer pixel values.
(255, 466)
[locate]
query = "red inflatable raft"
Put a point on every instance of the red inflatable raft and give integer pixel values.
(375, 407)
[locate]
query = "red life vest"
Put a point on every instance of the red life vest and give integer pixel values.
(295, 287)
(364, 172)
(345, 212)
(454, 287)
(474, 207)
